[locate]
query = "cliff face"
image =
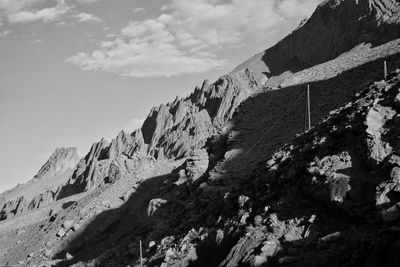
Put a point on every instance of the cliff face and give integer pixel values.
(334, 28)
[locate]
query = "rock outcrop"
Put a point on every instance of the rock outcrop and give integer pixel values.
(106, 162)
(185, 124)
(13, 207)
(60, 161)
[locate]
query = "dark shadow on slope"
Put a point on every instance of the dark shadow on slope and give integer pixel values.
(68, 204)
(115, 226)
(264, 122)
(268, 120)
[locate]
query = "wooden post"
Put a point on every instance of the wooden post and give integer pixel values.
(141, 255)
(308, 107)
(385, 69)
(306, 115)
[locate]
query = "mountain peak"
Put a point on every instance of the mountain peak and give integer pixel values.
(61, 160)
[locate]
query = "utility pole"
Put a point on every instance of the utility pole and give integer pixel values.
(308, 110)
(141, 255)
(385, 69)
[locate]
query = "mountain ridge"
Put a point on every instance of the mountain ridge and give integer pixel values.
(192, 163)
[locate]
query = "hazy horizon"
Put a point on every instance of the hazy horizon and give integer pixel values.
(73, 72)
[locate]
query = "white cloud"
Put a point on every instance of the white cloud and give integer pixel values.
(188, 36)
(20, 11)
(87, 17)
(146, 49)
(23, 11)
(87, 1)
(134, 124)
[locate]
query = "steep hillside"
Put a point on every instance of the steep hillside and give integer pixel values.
(201, 183)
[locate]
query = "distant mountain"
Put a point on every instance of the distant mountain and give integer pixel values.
(42, 189)
(209, 181)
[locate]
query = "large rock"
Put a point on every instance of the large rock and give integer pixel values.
(13, 207)
(42, 200)
(376, 119)
(196, 165)
(155, 204)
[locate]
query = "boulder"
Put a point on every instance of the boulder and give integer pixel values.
(155, 204)
(196, 165)
(61, 233)
(68, 224)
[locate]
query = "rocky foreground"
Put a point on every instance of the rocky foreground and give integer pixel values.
(227, 176)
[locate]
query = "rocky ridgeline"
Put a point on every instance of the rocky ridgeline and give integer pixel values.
(19, 199)
(186, 124)
(175, 130)
(334, 28)
(171, 131)
(106, 162)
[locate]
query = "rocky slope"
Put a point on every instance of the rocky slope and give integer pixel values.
(44, 186)
(201, 182)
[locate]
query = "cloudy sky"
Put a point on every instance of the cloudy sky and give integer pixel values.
(73, 71)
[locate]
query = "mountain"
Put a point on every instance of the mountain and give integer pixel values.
(227, 176)
(42, 188)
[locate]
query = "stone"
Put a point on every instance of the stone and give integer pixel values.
(243, 219)
(61, 233)
(68, 224)
(68, 256)
(258, 219)
(125, 197)
(395, 160)
(155, 204)
(152, 244)
(196, 165)
(395, 175)
(396, 101)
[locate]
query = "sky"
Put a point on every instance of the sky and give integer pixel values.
(74, 71)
